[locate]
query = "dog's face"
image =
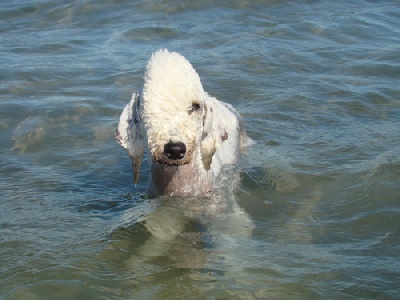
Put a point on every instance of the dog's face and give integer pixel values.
(174, 109)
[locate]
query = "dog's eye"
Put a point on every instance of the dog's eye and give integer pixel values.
(194, 107)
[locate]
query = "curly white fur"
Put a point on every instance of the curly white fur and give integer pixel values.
(190, 135)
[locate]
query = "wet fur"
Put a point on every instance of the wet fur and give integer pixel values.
(172, 106)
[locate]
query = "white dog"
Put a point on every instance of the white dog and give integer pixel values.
(193, 141)
(190, 135)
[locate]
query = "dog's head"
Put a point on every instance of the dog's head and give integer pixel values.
(177, 113)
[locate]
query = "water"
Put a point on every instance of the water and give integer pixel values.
(317, 83)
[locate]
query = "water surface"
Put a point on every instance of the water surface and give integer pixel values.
(317, 83)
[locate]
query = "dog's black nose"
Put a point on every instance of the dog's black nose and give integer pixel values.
(175, 150)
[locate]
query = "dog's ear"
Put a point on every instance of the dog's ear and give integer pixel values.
(130, 133)
(213, 135)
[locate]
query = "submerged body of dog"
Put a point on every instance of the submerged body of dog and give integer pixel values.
(192, 139)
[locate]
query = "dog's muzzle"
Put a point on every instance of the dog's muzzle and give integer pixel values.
(173, 153)
(174, 150)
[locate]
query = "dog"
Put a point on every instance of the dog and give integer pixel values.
(190, 136)
(194, 143)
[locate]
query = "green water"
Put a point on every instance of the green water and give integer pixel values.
(317, 84)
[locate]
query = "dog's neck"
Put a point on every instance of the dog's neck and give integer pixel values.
(183, 180)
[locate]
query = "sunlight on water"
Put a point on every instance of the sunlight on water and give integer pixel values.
(317, 85)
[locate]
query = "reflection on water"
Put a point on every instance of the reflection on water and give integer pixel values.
(317, 85)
